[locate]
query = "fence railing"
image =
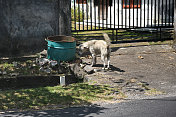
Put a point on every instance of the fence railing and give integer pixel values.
(151, 15)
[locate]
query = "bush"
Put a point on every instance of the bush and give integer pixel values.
(77, 14)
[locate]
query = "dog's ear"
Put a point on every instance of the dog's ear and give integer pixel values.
(82, 47)
(85, 47)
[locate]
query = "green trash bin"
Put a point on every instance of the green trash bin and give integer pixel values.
(61, 48)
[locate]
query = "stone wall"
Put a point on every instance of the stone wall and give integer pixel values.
(24, 24)
(34, 81)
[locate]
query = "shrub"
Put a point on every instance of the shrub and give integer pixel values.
(77, 14)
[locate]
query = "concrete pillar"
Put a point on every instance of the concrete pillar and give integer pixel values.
(64, 17)
(174, 43)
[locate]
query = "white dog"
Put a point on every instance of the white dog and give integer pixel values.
(96, 47)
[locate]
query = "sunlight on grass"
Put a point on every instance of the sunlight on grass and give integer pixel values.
(88, 32)
(153, 91)
(169, 42)
(123, 35)
(39, 98)
(6, 65)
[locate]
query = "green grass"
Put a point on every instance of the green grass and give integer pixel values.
(6, 65)
(41, 98)
(23, 66)
(27, 67)
(123, 35)
(169, 42)
(90, 35)
(153, 91)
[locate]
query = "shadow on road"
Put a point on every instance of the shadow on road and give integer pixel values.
(166, 99)
(111, 69)
(67, 112)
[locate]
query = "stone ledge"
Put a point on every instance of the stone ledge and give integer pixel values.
(33, 81)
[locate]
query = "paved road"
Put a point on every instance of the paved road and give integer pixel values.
(155, 65)
(165, 107)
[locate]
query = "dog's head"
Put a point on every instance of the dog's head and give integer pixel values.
(83, 48)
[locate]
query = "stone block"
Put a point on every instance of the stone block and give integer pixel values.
(89, 69)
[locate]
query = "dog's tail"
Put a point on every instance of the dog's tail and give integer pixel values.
(107, 39)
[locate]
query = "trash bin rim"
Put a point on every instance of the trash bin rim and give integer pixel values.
(62, 37)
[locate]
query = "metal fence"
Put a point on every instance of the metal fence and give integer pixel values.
(132, 15)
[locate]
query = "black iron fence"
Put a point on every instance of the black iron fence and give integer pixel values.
(153, 16)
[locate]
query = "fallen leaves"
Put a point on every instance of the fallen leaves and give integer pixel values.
(140, 57)
(171, 58)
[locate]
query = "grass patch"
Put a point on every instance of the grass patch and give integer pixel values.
(6, 65)
(153, 91)
(26, 67)
(92, 32)
(123, 35)
(90, 35)
(168, 42)
(40, 98)
(23, 66)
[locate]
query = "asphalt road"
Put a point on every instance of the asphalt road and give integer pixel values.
(165, 107)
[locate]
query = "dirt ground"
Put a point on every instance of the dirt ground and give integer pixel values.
(152, 66)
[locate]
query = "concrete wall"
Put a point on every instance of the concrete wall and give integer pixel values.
(174, 42)
(24, 24)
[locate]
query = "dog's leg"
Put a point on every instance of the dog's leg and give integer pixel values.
(104, 63)
(108, 64)
(94, 59)
(108, 59)
(91, 49)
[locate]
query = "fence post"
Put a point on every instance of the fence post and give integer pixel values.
(64, 7)
(174, 43)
